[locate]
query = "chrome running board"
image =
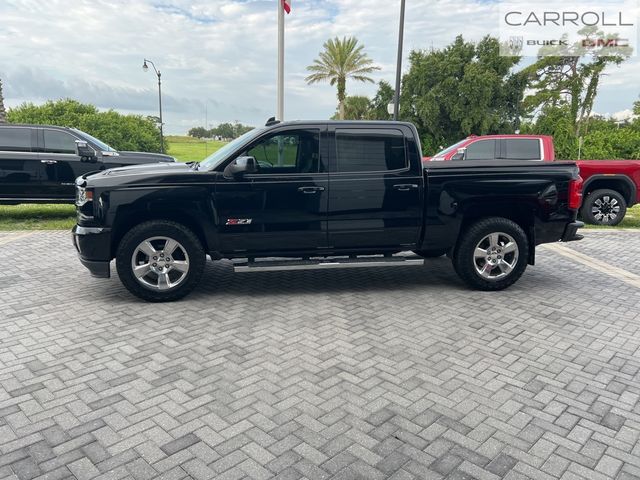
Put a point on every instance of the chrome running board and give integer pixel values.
(279, 264)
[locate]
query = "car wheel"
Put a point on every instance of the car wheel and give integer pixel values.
(160, 261)
(430, 253)
(604, 207)
(492, 254)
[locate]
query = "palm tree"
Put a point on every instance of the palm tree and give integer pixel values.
(341, 59)
(3, 113)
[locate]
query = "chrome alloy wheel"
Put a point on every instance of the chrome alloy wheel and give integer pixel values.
(495, 256)
(605, 209)
(160, 263)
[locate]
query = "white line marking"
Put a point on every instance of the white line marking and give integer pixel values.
(619, 273)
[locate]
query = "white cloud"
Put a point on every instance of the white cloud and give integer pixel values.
(621, 116)
(222, 53)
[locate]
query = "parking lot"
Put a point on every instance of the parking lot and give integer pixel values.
(366, 373)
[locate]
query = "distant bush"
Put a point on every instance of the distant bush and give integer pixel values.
(122, 132)
(604, 139)
(224, 130)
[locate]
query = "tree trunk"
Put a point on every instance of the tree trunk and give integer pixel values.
(589, 98)
(341, 95)
(575, 88)
(3, 113)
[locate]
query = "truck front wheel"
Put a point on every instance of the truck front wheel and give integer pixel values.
(492, 254)
(160, 261)
(604, 207)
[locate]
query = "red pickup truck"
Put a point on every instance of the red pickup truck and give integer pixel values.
(610, 186)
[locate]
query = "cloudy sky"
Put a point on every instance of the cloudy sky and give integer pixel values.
(219, 56)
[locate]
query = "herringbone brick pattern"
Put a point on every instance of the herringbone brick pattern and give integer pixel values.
(395, 373)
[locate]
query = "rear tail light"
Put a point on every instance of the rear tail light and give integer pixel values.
(575, 193)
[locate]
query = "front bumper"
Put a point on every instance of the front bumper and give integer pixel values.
(94, 249)
(571, 232)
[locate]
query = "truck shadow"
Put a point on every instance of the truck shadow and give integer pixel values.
(219, 278)
(435, 277)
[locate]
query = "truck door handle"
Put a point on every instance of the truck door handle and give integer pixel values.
(405, 187)
(49, 162)
(311, 189)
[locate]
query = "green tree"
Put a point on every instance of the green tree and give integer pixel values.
(380, 102)
(465, 88)
(569, 76)
(3, 112)
(339, 60)
(356, 107)
(241, 129)
(606, 139)
(614, 143)
(555, 121)
(230, 130)
(199, 132)
(122, 132)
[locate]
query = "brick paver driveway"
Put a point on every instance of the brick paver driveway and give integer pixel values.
(383, 373)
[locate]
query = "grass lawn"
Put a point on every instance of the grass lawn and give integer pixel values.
(188, 149)
(37, 217)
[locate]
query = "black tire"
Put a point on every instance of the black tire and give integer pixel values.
(430, 253)
(604, 207)
(467, 266)
(189, 253)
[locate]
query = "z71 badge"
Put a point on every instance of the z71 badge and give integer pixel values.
(239, 221)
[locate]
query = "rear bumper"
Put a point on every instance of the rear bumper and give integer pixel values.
(94, 249)
(571, 232)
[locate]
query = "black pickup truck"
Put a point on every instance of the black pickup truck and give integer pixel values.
(321, 194)
(40, 163)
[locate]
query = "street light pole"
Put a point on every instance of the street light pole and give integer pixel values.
(145, 67)
(396, 100)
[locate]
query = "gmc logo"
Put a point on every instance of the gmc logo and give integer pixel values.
(605, 42)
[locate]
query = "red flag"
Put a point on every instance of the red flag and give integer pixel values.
(286, 4)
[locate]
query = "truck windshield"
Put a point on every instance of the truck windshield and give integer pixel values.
(217, 157)
(98, 143)
(442, 153)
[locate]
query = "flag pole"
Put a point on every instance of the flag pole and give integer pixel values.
(280, 94)
(396, 98)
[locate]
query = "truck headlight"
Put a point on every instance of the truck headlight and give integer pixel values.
(83, 196)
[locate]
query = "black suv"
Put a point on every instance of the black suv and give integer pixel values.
(39, 163)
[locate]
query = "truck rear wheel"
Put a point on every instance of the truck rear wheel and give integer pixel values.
(492, 254)
(160, 261)
(604, 207)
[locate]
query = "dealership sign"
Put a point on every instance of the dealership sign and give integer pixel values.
(552, 29)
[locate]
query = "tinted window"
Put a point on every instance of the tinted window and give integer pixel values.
(481, 150)
(15, 139)
(523, 149)
(294, 151)
(59, 142)
(360, 150)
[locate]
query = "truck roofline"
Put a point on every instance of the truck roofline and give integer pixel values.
(386, 123)
(509, 135)
(37, 125)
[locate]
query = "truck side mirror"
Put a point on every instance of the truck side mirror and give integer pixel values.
(85, 152)
(241, 166)
(460, 154)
